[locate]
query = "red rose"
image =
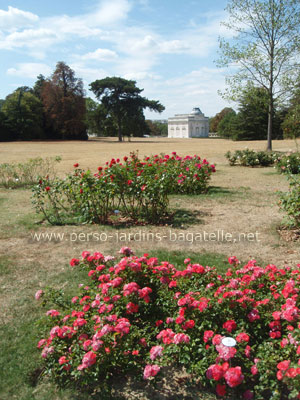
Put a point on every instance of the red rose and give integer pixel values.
(229, 325)
(283, 365)
(215, 372)
(234, 376)
(76, 165)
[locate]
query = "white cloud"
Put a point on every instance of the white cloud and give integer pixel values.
(58, 29)
(29, 38)
(174, 46)
(141, 76)
(15, 18)
(109, 13)
(100, 55)
(29, 70)
(106, 14)
(88, 74)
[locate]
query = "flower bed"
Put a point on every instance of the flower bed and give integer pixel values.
(134, 189)
(139, 315)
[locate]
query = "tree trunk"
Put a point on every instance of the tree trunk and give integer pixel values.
(271, 82)
(270, 124)
(119, 129)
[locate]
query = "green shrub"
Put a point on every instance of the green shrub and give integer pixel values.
(251, 158)
(134, 190)
(13, 175)
(290, 202)
(289, 163)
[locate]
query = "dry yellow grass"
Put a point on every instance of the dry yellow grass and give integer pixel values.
(96, 151)
(251, 206)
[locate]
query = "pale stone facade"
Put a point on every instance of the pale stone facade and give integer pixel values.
(190, 125)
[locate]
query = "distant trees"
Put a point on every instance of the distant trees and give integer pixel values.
(251, 121)
(157, 128)
(22, 115)
(123, 104)
(214, 122)
(291, 123)
(53, 109)
(228, 125)
(6, 133)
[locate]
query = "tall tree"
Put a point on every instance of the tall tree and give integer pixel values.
(64, 104)
(265, 48)
(38, 86)
(121, 98)
(23, 113)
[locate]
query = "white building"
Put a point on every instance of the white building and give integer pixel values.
(190, 125)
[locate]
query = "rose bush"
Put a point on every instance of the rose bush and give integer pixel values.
(288, 163)
(139, 315)
(290, 202)
(251, 158)
(136, 189)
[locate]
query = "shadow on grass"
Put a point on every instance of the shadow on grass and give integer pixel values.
(219, 191)
(125, 140)
(182, 218)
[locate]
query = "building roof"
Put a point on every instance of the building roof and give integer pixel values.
(196, 112)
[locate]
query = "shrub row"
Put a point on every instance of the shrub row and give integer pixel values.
(15, 175)
(251, 158)
(133, 189)
(139, 315)
(285, 163)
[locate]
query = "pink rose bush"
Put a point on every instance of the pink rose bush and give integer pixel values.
(131, 188)
(130, 317)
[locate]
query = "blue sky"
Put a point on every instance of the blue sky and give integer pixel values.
(167, 46)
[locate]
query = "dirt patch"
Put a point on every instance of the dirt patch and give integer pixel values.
(289, 235)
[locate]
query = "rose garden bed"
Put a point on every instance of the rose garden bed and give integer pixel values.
(131, 189)
(139, 315)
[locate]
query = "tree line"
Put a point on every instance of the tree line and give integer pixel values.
(251, 120)
(56, 108)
